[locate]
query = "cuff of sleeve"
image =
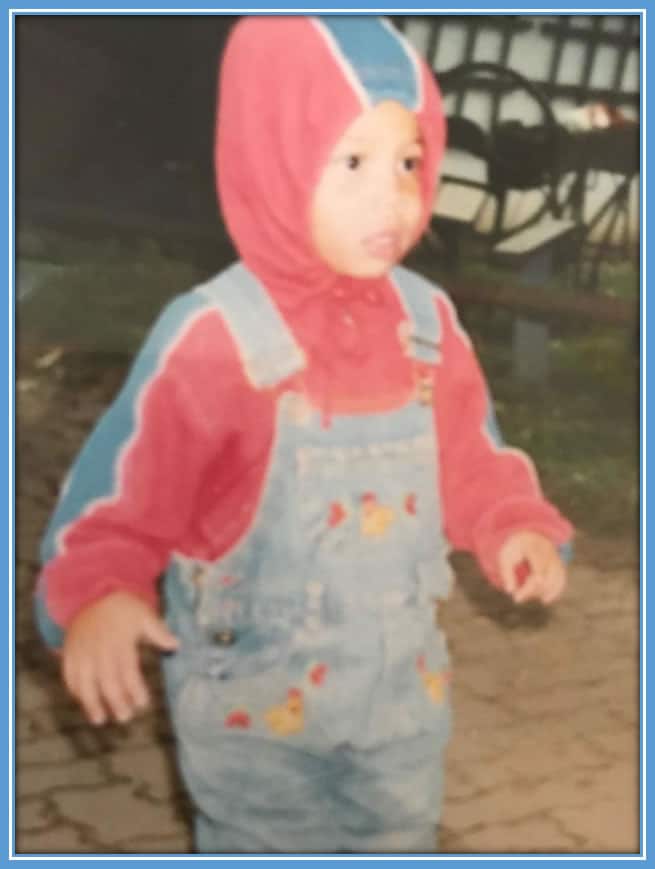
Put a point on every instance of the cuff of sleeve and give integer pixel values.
(54, 617)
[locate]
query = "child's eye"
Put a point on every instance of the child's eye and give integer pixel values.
(411, 164)
(353, 161)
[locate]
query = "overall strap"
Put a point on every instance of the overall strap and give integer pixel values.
(268, 351)
(423, 328)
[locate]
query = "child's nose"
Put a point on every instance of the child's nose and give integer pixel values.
(386, 188)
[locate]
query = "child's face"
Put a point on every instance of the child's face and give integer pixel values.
(367, 208)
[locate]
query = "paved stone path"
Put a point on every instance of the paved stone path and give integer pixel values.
(545, 752)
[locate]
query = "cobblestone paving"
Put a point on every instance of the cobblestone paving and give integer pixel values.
(545, 752)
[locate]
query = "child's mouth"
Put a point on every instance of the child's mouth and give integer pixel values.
(383, 245)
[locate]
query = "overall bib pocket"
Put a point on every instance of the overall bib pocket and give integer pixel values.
(367, 503)
(273, 691)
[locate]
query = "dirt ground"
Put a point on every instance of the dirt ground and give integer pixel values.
(545, 753)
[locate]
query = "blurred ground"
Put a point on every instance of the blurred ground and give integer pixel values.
(545, 754)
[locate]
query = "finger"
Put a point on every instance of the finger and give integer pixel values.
(88, 695)
(555, 582)
(134, 684)
(113, 691)
(530, 591)
(510, 556)
(531, 587)
(69, 675)
(156, 632)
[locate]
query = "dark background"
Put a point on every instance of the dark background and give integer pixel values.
(117, 113)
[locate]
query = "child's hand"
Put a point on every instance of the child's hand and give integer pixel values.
(100, 658)
(541, 571)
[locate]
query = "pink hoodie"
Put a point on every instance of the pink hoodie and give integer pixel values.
(187, 442)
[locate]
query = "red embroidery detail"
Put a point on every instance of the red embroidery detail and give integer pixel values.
(410, 504)
(420, 663)
(337, 514)
(295, 701)
(238, 718)
(369, 498)
(317, 674)
(228, 580)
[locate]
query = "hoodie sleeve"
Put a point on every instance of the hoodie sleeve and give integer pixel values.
(489, 490)
(129, 495)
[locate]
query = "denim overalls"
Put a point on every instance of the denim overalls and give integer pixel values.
(310, 693)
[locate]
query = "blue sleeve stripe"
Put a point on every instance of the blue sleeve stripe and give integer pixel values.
(494, 436)
(50, 631)
(566, 551)
(376, 60)
(493, 431)
(491, 425)
(95, 475)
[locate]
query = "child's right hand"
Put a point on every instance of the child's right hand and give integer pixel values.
(100, 656)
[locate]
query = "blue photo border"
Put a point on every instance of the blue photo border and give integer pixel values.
(7, 854)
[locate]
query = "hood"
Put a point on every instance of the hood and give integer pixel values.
(289, 87)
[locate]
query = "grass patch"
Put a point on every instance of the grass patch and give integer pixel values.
(581, 427)
(103, 296)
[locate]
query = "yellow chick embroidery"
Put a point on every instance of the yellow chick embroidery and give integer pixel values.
(375, 518)
(434, 682)
(435, 685)
(289, 717)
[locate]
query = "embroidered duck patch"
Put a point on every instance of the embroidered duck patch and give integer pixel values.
(434, 682)
(288, 717)
(375, 517)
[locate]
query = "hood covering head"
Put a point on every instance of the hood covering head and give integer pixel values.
(289, 88)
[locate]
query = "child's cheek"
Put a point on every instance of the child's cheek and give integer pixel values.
(412, 213)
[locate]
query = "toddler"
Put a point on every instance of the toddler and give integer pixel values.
(300, 442)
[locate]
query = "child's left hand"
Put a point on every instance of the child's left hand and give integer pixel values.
(546, 578)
